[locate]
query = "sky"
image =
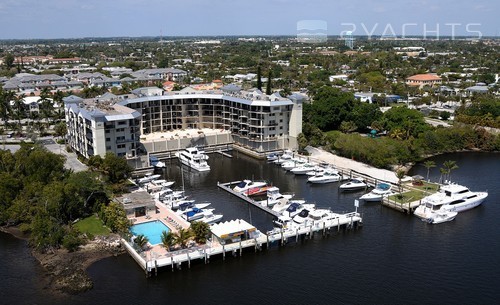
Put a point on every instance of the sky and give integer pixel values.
(30, 19)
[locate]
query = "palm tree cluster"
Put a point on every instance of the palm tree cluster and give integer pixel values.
(198, 232)
(445, 171)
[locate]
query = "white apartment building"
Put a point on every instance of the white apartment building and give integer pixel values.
(254, 120)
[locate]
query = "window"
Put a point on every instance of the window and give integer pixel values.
(120, 146)
(108, 139)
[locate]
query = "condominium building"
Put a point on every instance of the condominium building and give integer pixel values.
(251, 119)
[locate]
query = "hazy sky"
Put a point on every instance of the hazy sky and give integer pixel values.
(24, 19)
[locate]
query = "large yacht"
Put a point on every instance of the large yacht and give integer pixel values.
(450, 198)
(194, 158)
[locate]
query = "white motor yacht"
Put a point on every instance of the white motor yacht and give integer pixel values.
(450, 198)
(380, 191)
(248, 184)
(188, 205)
(327, 177)
(354, 184)
(274, 196)
(194, 158)
(296, 207)
(304, 168)
(154, 161)
(196, 214)
(148, 178)
(287, 155)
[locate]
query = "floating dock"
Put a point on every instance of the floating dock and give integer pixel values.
(227, 188)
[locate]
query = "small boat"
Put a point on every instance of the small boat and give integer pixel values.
(380, 191)
(304, 168)
(274, 196)
(283, 204)
(194, 158)
(282, 221)
(287, 155)
(272, 157)
(327, 177)
(196, 214)
(293, 163)
(255, 191)
(354, 184)
(296, 207)
(212, 218)
(248, 184)
(436, 217)
(158, 185)
(189, 205)
(154, 161)
(148, 178)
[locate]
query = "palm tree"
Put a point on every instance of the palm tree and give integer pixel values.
(182, 237)
(168, 240)
(400, 173)
(46, 103)
(5, 98)
(200, 231)
(443, 172)
(450, 165)
(141, 241)
(429, 164)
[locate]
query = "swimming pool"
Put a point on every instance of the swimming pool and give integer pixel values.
(151, 229)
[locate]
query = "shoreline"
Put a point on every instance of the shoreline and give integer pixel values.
(65, 272)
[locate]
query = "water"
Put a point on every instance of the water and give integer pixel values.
(151, 229)
(394, 259)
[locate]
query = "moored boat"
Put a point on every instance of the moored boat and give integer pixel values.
(194, 158)
(354, 184)
(378, 193)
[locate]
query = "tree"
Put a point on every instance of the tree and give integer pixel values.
(46, 104)
(449, 166)
(445, 115)
(167, 240)
(429, 164)
(9, 61)
(60, 129)
(116, 168)
(259, 78)
(182, 237)
(400, 173)
(269, 83)
(141, 241)
(200, 231)
(348, 126)
(5, 98)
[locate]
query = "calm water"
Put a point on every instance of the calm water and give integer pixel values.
(393, 259)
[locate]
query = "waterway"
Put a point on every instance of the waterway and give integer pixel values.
(394, 259)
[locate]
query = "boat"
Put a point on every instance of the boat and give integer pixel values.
(380, 191)
(194, 158)
(450, 198)
(301, 217)
(245, 185)
(296, 207)
(282, 221)
(188, 205)
(274, 196)
(196, 214)
(283, 204)
(327, 177)
(211, 218)
(354, 184)
(293, 163)
(256, 191)
(148, 178)
(158, 185)
(287, 155)
(304, 168)
(437, 216)
(272, 157)
(154, 161)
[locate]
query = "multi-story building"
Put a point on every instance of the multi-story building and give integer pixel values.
(120, 124)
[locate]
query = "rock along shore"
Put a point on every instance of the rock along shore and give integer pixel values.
(66, 270)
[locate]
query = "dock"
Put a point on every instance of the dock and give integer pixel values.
(224, 154)
(150, 261)
(248, 199)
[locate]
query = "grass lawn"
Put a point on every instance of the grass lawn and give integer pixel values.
(92, 225)
(409, 196)
(428, 187)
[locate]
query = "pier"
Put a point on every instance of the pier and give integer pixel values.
(151, 261)
(227, 187)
